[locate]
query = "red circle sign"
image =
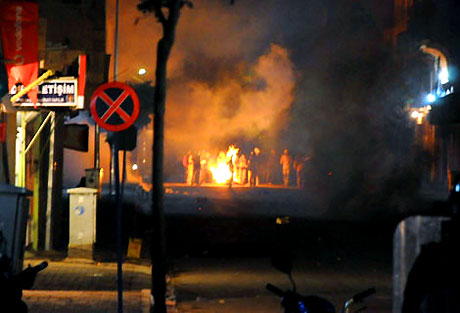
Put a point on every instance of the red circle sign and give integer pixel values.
(114, 106)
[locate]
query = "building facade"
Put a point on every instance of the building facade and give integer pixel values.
(424, 38)
(67, 29)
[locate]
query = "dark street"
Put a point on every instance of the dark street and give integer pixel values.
(217, 146)
(223, 264)
(220, 243)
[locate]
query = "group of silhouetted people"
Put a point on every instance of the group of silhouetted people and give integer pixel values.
(252, 169)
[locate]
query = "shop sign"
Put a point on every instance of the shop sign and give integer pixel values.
(53, 93)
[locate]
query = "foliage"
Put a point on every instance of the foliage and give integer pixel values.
(145, 92)
(156, 7)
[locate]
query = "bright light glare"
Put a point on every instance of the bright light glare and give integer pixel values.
(414, 114)
(430, 98)
(142, 71)
(444, 76)
(135, 167)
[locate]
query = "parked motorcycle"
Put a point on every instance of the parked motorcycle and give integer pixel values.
(293, 302)
(12, 285)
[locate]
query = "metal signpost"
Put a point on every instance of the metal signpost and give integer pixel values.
(115, 107)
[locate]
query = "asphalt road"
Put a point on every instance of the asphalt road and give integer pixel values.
(237, 285)
(223, 264)
(220, 242)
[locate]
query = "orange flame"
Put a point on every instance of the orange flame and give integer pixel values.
(222, 171)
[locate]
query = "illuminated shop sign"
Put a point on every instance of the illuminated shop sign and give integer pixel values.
(52, 93)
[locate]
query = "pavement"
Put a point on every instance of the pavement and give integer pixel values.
(220, 285)
(70, 285)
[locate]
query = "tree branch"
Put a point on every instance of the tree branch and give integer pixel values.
(160, 16)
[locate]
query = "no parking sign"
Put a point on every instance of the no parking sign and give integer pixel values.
(114, 106)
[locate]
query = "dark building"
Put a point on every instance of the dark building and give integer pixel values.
(425, 39)
(67, 29)
(72, 27)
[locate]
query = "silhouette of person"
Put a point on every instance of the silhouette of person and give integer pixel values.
(196, 159)
(253, 167)
(286, 162)
(187, 163)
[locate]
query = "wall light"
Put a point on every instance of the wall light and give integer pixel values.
(430, 98)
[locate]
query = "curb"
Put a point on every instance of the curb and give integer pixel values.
(58, 301)
(147, 301)
(74, 265)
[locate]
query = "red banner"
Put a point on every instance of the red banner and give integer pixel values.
(19, 33)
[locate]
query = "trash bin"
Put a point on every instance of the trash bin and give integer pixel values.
(82, 221)
(14, 211)
(93, 178)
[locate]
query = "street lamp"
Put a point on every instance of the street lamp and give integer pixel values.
(142, 71)
(430, 98)
(443, 76)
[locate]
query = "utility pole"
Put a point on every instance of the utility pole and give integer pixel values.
(115, 177)
(115, 77)
(97, 131)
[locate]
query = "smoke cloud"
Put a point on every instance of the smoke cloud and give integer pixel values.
(241, 105)
(313, 76)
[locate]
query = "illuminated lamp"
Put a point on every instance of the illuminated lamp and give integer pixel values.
(142, 71)
(414, 114)
(430, 98)
(443, 76)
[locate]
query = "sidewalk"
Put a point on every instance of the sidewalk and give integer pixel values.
(80, 285)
